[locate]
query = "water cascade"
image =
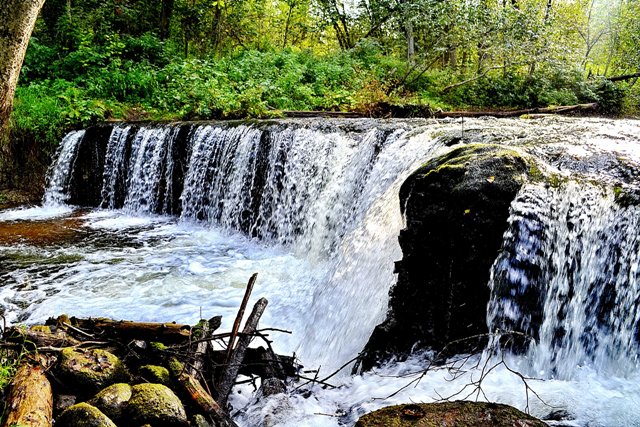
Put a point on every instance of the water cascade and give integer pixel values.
(568, 276)
(187, 211)
(60, 172)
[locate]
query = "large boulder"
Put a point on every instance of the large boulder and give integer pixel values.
(456, 208)
(90, 370)
(83, 415)
(157, 405)
(112, 400)
(462, 414)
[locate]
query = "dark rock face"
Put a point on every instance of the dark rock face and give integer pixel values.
(456, 209)
(86, 179)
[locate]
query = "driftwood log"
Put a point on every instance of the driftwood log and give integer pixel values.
(30, 401)
(516, 113)
(127, 330)
(231, 372)
(198, 395)
(40, 337)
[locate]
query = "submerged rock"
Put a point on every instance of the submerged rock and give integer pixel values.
(456, 209)
(458, 414)
(91, 370)
(83, 415)
(157, 405)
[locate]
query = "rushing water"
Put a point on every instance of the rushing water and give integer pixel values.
(312, 206)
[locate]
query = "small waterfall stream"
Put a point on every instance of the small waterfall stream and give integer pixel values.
(60, 172)
(189, 211)
(568, 276)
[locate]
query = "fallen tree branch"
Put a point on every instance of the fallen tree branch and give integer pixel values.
(163, 332)
(516, 113)
(229, 375)
(30, 401)
(624, 77)
(240, 315)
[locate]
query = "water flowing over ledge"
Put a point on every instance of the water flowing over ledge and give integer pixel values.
(191, 210)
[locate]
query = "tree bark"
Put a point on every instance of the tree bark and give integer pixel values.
(30, 402)
(231, 372)
(625, 77)
(515, 113)
(163, 332)
(17, 19)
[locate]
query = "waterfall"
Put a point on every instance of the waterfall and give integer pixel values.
(327, 192)
(303, 185)
(60, 172)
(568, 276)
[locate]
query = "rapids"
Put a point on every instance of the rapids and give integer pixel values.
(312, 206)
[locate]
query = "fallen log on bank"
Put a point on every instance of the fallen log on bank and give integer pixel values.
(517, 113)
(30, 400)
(127, 330)
(172, 359)
(40, 337)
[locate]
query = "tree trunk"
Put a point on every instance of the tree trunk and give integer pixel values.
(165, 18)
(411, 44)
(17, 19)
(30, 401)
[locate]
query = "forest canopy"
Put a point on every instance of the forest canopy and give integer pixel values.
(95, 60)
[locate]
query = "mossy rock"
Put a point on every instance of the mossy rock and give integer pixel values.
(456, 208)
(83, 415)
(157, 405)
(112, 400)
(91, 370)
(459, 414)
(155, 374)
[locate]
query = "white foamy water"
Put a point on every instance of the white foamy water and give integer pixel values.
(60, 172)
(312, 206)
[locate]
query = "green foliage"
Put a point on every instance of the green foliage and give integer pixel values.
(202, 59)
(610, 97)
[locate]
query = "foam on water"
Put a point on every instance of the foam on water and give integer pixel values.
(35, 213)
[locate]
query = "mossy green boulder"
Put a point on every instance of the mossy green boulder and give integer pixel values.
(83, 415)
(90, 370)
(155, 404)
(112, 400)
(456, 208)
(155, 374)
(459, 414)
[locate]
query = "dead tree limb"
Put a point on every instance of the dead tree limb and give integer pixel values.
(40, 338)
(624, 77)
(231, 372)
(243, 306)
(198, 395)
(163, 332)
(30, 401)
(516, 113)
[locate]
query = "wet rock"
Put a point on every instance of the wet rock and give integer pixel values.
(200, 421)
(271, 386)
(112, 400)
(460, 414)
(155, 374)
(62, 402)
(83, 415)
(456, 209)
(157, 405)
(91, 370)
